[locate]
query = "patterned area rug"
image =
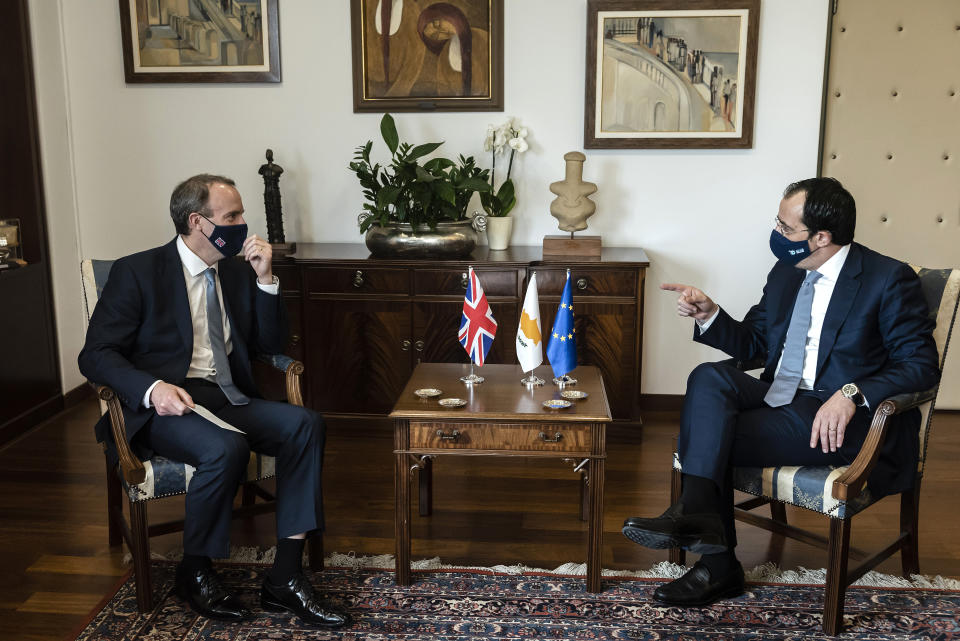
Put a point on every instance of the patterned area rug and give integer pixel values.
(465, 604)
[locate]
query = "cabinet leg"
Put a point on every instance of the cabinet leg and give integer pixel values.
(425, 478)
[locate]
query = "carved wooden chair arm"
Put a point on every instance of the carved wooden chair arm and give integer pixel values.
(293, 369)
(131, 467)
(851, 482)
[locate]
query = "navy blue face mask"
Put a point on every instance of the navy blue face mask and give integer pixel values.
(228, 239)
(789, 251)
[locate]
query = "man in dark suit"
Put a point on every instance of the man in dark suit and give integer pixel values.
(175, 327)
(839, 328)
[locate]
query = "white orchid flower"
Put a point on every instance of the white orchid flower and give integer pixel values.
(500, 139)
(518, 144)
(488, 141)
(523, 133)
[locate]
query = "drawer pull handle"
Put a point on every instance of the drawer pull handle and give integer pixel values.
(419, 345)
(358, 279)
(582, 283)
(294, 339)
(452, 436)
(464, 280)
(405, 345)
(556, 437)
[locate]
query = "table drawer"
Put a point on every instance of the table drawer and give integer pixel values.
(357, 280)
(587, 282)
(518, 437)
(449, 282)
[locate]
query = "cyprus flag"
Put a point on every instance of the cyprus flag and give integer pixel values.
(529, 347)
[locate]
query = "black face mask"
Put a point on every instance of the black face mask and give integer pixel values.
(228, 239)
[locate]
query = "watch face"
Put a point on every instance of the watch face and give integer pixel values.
(850, 390)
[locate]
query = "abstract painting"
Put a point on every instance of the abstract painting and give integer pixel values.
(200, 40)
(423, 55)
(670, 74)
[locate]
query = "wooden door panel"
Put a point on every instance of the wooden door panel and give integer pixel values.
(437, 324)
(358, 359)
(605, 338)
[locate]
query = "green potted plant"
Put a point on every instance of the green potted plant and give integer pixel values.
(498, 203)
(414, 209)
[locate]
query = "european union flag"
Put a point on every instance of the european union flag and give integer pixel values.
(562, 350)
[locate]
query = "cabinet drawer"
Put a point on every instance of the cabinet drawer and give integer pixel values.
(357, 280)
(289, 276)
(587, 282)
(449, 282)
(514, 437)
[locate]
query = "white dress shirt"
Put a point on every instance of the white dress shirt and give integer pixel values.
(822, 291)
(201, 361)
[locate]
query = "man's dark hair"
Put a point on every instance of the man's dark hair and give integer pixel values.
(191, 196)
(828, 207)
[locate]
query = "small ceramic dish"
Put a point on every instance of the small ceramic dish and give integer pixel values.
(452, 402)
(428, 392)
(573, 394)
(557, 404)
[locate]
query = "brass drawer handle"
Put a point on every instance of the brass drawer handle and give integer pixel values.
(464, 280)
(452, 436)
(582, 283)
(419, 345)
(358, 279)
(405, 344)
(556, 437)
(294, 339)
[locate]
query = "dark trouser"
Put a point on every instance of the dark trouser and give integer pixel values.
(293, 435)
(726, 424)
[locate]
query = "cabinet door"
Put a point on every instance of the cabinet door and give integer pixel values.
(358, 359)
(605, 338)
(435, 328)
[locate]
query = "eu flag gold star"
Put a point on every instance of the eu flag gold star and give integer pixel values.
(570, 336)
(571, 309)
(556, 335)
(563, 305)
(563, 338)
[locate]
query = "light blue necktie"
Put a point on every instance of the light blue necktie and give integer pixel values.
(218, 345)
(787, 380)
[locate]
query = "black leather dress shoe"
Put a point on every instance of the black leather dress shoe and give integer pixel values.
(699, 533)
(296, 596)
(202, 590)
(697, 587)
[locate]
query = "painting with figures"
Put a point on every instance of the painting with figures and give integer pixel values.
(660, 77)
(422, 55)
(200, 40)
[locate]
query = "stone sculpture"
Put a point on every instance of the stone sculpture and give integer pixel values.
(573, 206)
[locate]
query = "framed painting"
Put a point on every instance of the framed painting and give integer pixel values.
(670, 74)
(423, 55)
(200, 40)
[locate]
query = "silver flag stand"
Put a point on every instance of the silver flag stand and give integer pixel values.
(472, 379)
(532, 380)
(563, 381)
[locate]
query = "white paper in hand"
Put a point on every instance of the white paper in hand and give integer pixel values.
(210, 416)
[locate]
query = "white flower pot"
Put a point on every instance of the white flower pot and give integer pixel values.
(498, 231)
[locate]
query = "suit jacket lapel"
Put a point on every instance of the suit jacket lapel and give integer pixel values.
(844, 292)
(181, 304)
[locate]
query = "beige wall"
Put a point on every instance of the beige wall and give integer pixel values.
(114, 151)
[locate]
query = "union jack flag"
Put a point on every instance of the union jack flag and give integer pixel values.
(478, 327)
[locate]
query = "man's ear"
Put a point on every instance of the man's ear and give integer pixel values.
(823, 238)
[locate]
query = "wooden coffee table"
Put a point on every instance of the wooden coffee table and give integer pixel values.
(502, 418)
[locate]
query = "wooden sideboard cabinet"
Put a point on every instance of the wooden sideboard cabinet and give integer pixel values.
(361, 324)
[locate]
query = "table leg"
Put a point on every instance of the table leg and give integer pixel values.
(402, 511)
(595, 474)
(426, 487)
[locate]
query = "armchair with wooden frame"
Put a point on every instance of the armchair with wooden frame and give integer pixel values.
(840, 492)
(159, 477)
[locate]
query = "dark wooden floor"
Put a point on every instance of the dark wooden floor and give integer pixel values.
(56, 564)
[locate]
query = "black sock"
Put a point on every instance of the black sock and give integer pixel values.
(193, 562)
(699, 495)
(288, 562)
(721, 564)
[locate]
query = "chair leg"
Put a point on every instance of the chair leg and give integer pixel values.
(676, 555)
(778, 511)
(114, 505)
(837, 550)
(909, 523)
(315, 552)
(141, 555)
(249, 495)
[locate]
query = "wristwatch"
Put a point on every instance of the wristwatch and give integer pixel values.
(851, 391)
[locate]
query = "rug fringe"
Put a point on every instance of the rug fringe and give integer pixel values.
(766, 573)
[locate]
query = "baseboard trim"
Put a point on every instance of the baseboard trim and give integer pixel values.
(77, 395)
(661, 402)
(20, 425)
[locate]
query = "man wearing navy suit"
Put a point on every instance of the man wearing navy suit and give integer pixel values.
(840, 328)
(176, 326)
